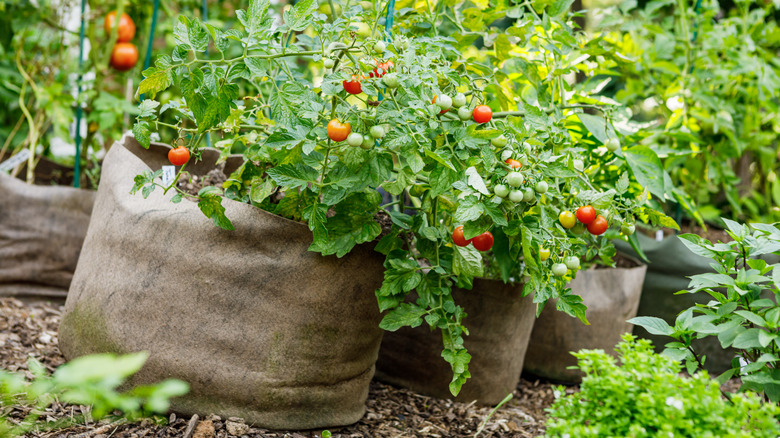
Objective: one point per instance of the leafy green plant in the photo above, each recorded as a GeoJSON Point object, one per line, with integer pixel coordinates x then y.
{"type": "Point", "coordinates": [703, 81]}
{"type": "Point", "coordinates": [89, 380]}
{"type": "Point", "coordinates": [743, 313]}
{"type": "Point", "coordinates": [493, 140]}
{"type": "Point", "coordinates": [646, 396]}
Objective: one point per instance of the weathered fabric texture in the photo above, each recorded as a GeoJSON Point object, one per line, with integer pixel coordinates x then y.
{"type": "Point", "coordinates": [499, 322]}
{"type": "Point", "coordinates": [612, 296]}
{"type": "Point", "coordinates": [42, 229]}
{"type": "Point", "coordinates": [260, 327]}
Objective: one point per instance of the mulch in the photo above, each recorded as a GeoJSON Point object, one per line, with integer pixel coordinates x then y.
{"type": "Point", "coordinates": [30, 330]}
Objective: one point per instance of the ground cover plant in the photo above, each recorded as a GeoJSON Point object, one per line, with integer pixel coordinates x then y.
{"type": "Point", "coordinates": [498, 166]}
{"type": "Point", "coordinates": [646, 396]}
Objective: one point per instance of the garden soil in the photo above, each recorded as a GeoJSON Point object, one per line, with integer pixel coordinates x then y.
{"type": "Point", "coordinates": [30, 330]}
{"type": "Point", "coordinates": [42, 229]}
{"type": "Point", "coordinates": [260, 327]}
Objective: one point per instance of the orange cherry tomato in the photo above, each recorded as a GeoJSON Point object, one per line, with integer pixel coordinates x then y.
{"type": "Point", "coordinates": [514, 164]}
{"type": "Point", "coordinates": [338, 131]}
{"type": "Point", "coordinates": [125, 30]}
{"type": "Point", "coordinates": [178, 156]}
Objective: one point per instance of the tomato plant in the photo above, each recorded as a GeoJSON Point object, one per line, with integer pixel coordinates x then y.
{"type": "Point", "coordinates": [449, 166]}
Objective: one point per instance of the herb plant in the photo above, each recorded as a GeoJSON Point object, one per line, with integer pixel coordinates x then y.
{"type": "Point", "coordinates": [743, 312]}
{"type": "Point", "coordinates": [646, 396]}
{"type": "Point", "coordinates": [492, 139]}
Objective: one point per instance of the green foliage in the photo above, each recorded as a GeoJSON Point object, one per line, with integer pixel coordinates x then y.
{"type": "Point", "coordinates": [440, 169]}
{"type": "Point", "coordinates": [704, 83]}
{"type": "Point", "coordinates": [88, 380]}
{"type": "Point", "coordinates": [646, 396]}
{"type": "Point", "coordinates": [744, 313]}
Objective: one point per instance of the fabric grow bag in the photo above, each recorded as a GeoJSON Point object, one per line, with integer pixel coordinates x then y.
{"type": "Point", "coordinates": [612, 296]}
{"type": "Point", "coordinates": [260, 327]}
{"type": "Point", "coordinates": [499, 322]}
{"type": "Point", "coordinates": [42, 229]}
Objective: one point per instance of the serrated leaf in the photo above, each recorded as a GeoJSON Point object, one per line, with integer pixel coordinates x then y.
{"type": "Point", "coordinates": [210, 203]}
{"type": "Point", "coordinates": [293, 175]}
{"type": "Point", "coordinates": [467, 260]}
{"type": "Point", "coordinates": [475, 180]}
{"type": "Point", "coordinates": [405, 315]}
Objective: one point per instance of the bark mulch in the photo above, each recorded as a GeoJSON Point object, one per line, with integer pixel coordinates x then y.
{"type": "Point", "coordinates": [30, 330]}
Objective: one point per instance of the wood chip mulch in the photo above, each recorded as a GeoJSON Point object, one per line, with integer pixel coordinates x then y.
{"type": "Point", "coordinates": [30, 330]}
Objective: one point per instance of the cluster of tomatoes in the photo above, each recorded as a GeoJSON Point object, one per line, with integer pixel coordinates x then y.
{"type": "Point", "coordinates": [482, 242]}
{"type": "Point", "coordinates": [596, 224]}
{"type": "Point", "coordinates": [559, 269]}
{"type": "Point", "coordinates": [125, 54]}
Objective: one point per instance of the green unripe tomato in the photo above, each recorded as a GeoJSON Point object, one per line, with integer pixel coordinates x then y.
{"type": "Point", "coordinates": [527, 148]}
{"type": "Point", "coordinates": [507, 154]}
{"type": "Point", "coordinates": [579, 165]}
{"type": "Point", "coordinates": [528, 194]}
{"type": "Point", "coordinates": [541, 187]}
{"type": "Point", "coordinates": [401, 43]}
{"type": "Point", "coordinates": [627, 229]}
{"type": "Point", "coordinates": [380, 47]}
{"type": "Point", "coordinates": [579, 228]}
{"type": "Point", "coordinates": [354, 139]}
{"type": "Point", "coordinates": [499, 141]}
{"type": "Point", "coordinates": [459, 100]}
{"type": "Point", "coordinates": [444, 102]}
{"type": "Point", "coordinates": [516, 196]}
{"type": "Point", "coordinates": [390, 80]}
{"type": "Point", "coordinates": [544, 254]}
{"type": "Point", "coordinates": [559, 269]}
{"type": "Point", "coordinates": [367, 142]}
{"type": "Point", "coordinates": [417, 190]}
{"type": "Point", "coordinates": [612, 144]}
{"type": "Point", "coordinates": [328, 62]}
{"type": "Point", "coordinates": [377, 132]}
{"type": "Point", "coordinates": [367, 6]}
{"type": "Point", "coordinates": [464, 113]}
{"type": "Point", "coordinates": [501, 190]}
{"type": "Point", "coordinates": [572, 263]}
{"type": "Point", "coordinates": [515, 179]}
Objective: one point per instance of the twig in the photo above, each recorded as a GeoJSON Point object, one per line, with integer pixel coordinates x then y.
{"type": "Point", "coordinates": [191, 426]}
{"type": "Point", "coordinates": [484, 423]}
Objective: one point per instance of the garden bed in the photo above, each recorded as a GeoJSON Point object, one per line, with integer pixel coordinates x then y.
{"type": "Point", "coordinates": [30, 330]}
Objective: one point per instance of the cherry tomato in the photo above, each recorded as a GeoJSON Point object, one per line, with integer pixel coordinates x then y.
{"type": "Point", "coordinates": [528, 194]}
{"type": "Point", "coordinates": [482, 114]}
{"type": "Point", "coordinates": [612, 144]}
{"type": "Point", "coordinates": [501, 190]}
{"type": "Point", "coordinates": [507, 154]}
{"type": "Point", "coordinates": [444, 101]}
{"type": "Point", "coordinates": [126, 29]}
{"type": "Point", "coordinates": [499, 141]}
{"type": "Point", "coordinates": [390, 80]}
{"type": "Point", "coordinates": [515, 179]}
{"type": "Point", "coordinates": [572, 263]}
{"type": "Point", "coordinates": [483, 242]}
{"type": "Point", "coordinates": [464, 113]}
{"type": "Point", "coordinates": [567, 219]}
{"type": "Point", "coordinates": [544, 254]}
{"type": "Point", "coordinates": [355, 139]}
{"type": "Point", "coordinates": [458, 238]}
{"type": "Point", "coordinates": [598, 226]}
{"type": "Point", "coordinates": [377, 131]}
{"type": "Point", "coordinates": [459, 100]}
{"type": "Point", "coordinates": [579, 228]}
{"type": "Point", "coordinates": [353, 86]}
{"type": "Point", "coordinates": [124, 56]}
{"type": "Point", "coordinates": [627, 229]}
{"type": "Point", "coordinates": [382, 69]}
{"type": "Point", "coordinates": [541, 187]}
{"type": "Point", "coordinates": [338, 131]}
{"type": "Point", "coordinates": [328, 63]}
{"type": "Point", "coordinates": [586, 214]}
{"type": "Point", "coordinates": [514, 164]}
{"type": "Point", "coordinates": [380, 47]}
{"type": "Point", "coordinates": [368, 142]}
{"type": "Point", "coordinates": [178, 156]}
{"type": "Point", "coordinates": [516, 196]}
{"type": "Point", "coordinates": [559, 269]}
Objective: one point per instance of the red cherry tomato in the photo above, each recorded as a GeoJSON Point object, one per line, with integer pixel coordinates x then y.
{"type": "Point", "coordinates": [382, 69]}
{"type": "Point", "coordinates": [483, 242]}
{"type": "Point", "coordinates": [514, 164]}
{"type": "Point", "coordinates": [124, 56]}
{"type": "Point", "coordinates": [353, 86]}
{"type": "Point", "coordinates": [178, 156]}
{"type": "Point", "coordinates": [125, 30]}
{"type": "Point", "coordinates": [482, 114]}
{"type": "Point", "coordinates": [338, 131]}
{"type": "Point", "coordinates": [458, 238]}
{"type": "Point", "coordinates": [598, 226]}
{"type": "Point", "coordinates": [586, 214]}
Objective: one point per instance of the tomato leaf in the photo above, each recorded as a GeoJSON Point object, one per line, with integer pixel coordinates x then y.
{"type": "Point", "coordinates": [467, 261]}
{"type": "Point", "coordinates": [210, 203]}
{"type": "Point", "coordinates": [405, 315]}
{"type": "Point", "coordinates": [646, 168]}
{"type": "Point", "coordinates": [293, 175]}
